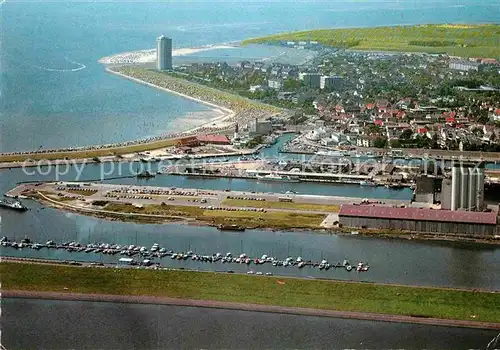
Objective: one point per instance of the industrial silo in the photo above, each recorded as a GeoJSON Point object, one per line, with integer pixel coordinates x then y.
{"type": "Point", "coordinates": [455, 187]}
{"type": "Point", "coordinates": [480, 187]}
{"type": "Point", "coordinates": [472, 189]}
{"type": "Point", "coordinates": [464, 187]}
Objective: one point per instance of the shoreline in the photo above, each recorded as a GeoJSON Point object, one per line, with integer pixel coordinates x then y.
{"type": "Point", "coordinates": [127, 147]}
{"type": "Point", "coordinates": [226, 112]}
{"type": "Point", "coordinates": [149, 55]}
{"type": "Point", "coordinates": [246, 307]}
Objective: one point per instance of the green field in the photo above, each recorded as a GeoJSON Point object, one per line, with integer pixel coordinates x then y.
{"type": "Point", "coordinates": [248, 219]}
{"type": "Point", "coordinates": [459, 40]}
{"type": "Point", "coordinates": [281, 205]}
{"type": "Point", "coordinates": [330, 295]}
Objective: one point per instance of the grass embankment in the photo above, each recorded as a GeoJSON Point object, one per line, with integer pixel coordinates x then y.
{"type": "Point", "coordinates": [329, 295]}
{"type": "Point", "coordinates": [248, 219]}
{"type": "Point", "coordinates": [111, 151]}
{"type": "Point", "coordinates": [281, 205]}
{"type": "Point", "coordinates": [233, 102]}
{"type": "Point", "coordinates": [459, 40]}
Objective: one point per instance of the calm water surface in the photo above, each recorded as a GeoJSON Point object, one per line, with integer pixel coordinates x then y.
{"type": "Point", "coordinates": [94, 325]}
{"type": "Point", "coordinates": [55, 94]}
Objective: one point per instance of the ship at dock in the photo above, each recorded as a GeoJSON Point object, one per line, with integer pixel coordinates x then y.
{"type": "Point", "coordinates": [334, 154]}
{"type": "Point", "coordinates": [277, 178]}
{"type": "Point", "coordinates": [14, 205]}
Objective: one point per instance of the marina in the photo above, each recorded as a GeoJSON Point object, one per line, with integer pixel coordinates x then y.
{"type": "Point", "coordinates": [142, 256]}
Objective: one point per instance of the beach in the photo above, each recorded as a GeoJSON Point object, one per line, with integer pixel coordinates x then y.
{"type": "Point", "coordinates": [220, 122]}
{"type": "Point", "coordinates": [149, 55]}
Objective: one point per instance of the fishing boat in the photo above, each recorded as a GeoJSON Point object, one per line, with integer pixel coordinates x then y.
{"type": "Point", "coordinates": [368, 183]}
{"type": "Point", "coordinates": [277, 178]}
{"type": "Point", "coordinates": [16, 205]}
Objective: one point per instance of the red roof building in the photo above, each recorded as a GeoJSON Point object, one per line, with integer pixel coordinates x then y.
{"type": "Point", "coordinates": [213, 139]}
{"type": "Point", "coordinates": [384, 212]}
{"type": "Point", "coordinates": [401, 114]}
{"type": "Point", "coordinates": [422, 130]}
{"type": "Point", "coordinates": [378, 122]}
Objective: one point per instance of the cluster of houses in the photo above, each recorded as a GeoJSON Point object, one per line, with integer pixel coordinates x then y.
{"type": "Point", "coordinates": [362, 125]}
{"type": "Point", "coordinates": [356, 97]}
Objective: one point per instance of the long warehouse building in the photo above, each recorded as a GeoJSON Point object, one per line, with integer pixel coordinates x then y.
{"type": "Point", "coordinates": [419, 220]}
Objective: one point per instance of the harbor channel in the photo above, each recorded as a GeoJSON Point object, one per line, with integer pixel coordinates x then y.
{"type": "Point", "coordinates": [391, 261]}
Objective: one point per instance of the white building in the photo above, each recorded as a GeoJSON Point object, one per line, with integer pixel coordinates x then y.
{"type": "Point", "coordinates": [317, 134]}
{"type": "Point", "coordinates": [256, 88]}
{"type": "Point", "coordinates": [275, 84]}
{"type": "Point", "coordinates": [163, 53]}
{"type": "Point", "coordinates": [465, 66]}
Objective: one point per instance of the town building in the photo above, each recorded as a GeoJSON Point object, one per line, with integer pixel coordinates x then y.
{"type": "Point", "coordinates": [275, 84]}
{"type": "Point", "coordinates": [465, 66]}
{"type": "Point", "coordinates": [312, 80]}
{"type": "Point", "coordinates": [260, 127]}
{"type": "Point", "coordinates": [331, 82]}
{"type": "Point", "coordinates": [163, 53]}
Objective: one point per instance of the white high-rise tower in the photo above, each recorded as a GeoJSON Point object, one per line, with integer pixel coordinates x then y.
{"type": "Point", "coordinates": [163, 53]}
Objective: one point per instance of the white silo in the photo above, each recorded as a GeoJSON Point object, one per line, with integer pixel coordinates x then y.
{"type": "Point", "coordinates": [480, 187]}
{"type": "Point", "coordinates": [471, 205]}
{"type": "Point", "coordinates": [464, 187]}
{"type": "Point", "coordinates": [455, 187]}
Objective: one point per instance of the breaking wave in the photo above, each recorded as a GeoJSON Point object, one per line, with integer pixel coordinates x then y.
{"type": "Point", "coordinates": [80, 66]}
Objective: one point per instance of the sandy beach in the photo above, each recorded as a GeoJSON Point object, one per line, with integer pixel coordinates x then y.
{"type": "Point", "coordinates": [149, 56]}
{"type": "Point", "coordinates": [204, 120]}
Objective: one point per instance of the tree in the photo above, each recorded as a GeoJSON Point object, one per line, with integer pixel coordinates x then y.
{"type": "Point", "coordinates": [406, 134]}
{"type": "Point", "coordinates": [395, 144]}
{"type": "Point", "coordinates": [291, 85]}
{"type": "Point", "coordinates": [380, 142]}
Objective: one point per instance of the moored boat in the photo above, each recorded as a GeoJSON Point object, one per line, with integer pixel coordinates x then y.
{"type": "Point", "coordinates": [16, 205]}
{"type": "Point", "coordinates": [277, 178]}
{"type": "Point", "coordinates": [230, 228]}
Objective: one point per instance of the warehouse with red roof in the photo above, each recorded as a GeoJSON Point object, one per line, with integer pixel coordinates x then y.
{"type": "Point", "coordinates": [418, 220]}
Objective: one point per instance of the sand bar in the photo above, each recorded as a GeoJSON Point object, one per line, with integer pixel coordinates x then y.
{"type": "Point", "coordinates": [149, 55]}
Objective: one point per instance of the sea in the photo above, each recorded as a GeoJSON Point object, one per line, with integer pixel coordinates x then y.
{"type": "Point", "coordinates": [54, 93]}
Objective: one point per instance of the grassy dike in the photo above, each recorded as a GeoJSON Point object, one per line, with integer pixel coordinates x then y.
{"type": "Point", "coordinates": [460, 39]}
{"type": "Point", "coordinates": [249, 219]}
{"type": "Point", "coordinates": [327, 295]}
{"type": "Point", "coordinates": [334, 208]}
